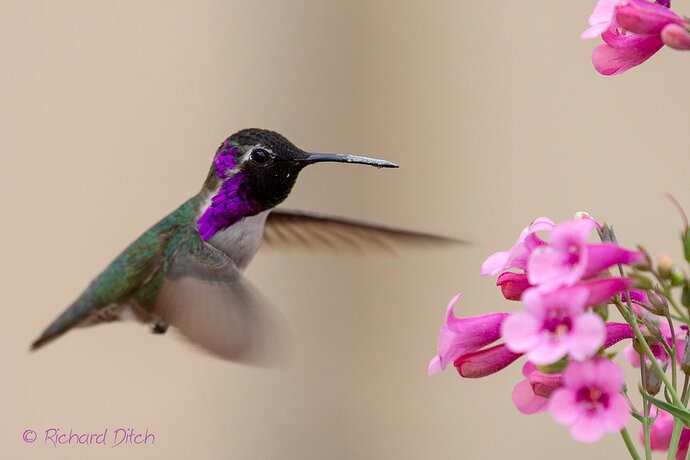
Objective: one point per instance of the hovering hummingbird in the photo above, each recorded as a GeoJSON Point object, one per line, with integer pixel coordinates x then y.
{"type": "Point", "coordinates": [186, 270]}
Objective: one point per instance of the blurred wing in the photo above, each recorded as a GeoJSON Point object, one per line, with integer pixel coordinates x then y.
{"type": "Point", "coordinates": [300, 228]}
{"type": "Point", "coordinates": [206, 299]}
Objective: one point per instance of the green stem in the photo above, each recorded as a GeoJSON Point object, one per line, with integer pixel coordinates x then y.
{"type": "Point", "coordinates": [675, 438]}
{"type": "Point", "coordinates": [673, 352]}
{"type": "Point", "coordinates": [677, 425]}
{"type": "Point", "coordinates": [645, 420]}
{"type": "Point", "coordinates": [630, 445]}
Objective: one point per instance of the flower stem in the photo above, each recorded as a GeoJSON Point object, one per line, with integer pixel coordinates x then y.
{"type": "Point", "coordinates": [630, 445]}
{"type": "Point", "coordinates": [677, 425]}
{"type": "Point", "coordinates": [675, 438]}
{"type": "Point", "coordinates": [673, 353]}
{"type": "Point", "coordinates": [645, 420]}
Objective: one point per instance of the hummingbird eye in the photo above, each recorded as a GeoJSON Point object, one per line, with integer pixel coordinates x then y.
{"type": "Point", "coordinates": [260, 156]}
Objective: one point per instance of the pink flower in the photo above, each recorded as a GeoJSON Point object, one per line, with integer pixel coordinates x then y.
{"type": "Point", "coordinates": [532, 394]}
{"type": "Point", "coordinates": [554, 325]}
{"type": "Point", "coordinates": [660, 435]}
{"type": "Point", "coordinates": [516, 256]}
{"type": "Point", "coordinates": [569, 258]}
{"type": "Point", "coordinates": [632, 32]}
{"type": "Point", "coordinates": [460, 336]}
{"type": "Point", "coordinates": [590, 402]}
{"type": "Point", "coordinates": [512, 284]}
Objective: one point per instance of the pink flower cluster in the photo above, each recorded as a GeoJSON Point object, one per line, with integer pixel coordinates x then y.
{"type": "Point", "coordinates": [633, 30]}
{"type": "Point", "coordinates": [558, 279]}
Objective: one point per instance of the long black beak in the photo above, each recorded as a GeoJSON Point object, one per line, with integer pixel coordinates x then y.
{"type": "Point", "coordinates": [322, 157]}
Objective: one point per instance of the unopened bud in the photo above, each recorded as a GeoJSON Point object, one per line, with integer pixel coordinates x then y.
{"type": "Point", "coordinates": [544, 384]}
{"type": "Point", "coordinates": [652, 380]}
{"type": "Point", "coordinates": [686, 244]}
{"type": "Point", "coordinates": [666, 266]}
{"type": "Point", "coordinates": [685, 296]}
{"type": "Point", "coordinates": [678, 277]}
{"type": "Point", "coordinates": [512, 284]}
{"type": "Point", "coordinates": [641, 282]}
{"type": "Point", "coordinates": [606, 234]}
{"type": "Point", "coordinates": [685, 360]}
{"type": "Point", "coordinates": [651, 333]}
{"type": "Point", "coordinates": [658, 303]}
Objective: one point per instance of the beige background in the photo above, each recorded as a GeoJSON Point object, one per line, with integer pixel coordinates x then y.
{"type": "Point", "coordinates": [111, 112]}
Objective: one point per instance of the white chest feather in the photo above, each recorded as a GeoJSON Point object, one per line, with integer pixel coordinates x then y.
{"type": "Point", "coordinates": [241, 240]}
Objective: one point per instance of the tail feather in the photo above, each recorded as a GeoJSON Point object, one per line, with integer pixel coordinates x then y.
{"type": "Point", "coordinates": [76, 313]}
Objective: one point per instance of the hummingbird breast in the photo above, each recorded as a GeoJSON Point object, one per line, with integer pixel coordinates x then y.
{"type": "Point", "coordinates": [241, 240]}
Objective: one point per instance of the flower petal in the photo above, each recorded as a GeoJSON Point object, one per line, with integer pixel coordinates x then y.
{"type": "Point", "coordinates": [676, 36]}
{"type": "Point", "coordinates": [602, 290]}
{"type": "Point", "coordinates": [587, 336]}
{"type": "Point", "coordinates": [526, 401]}
{"type": "Point", "coordinates": [600, 19]}
{"type": "Point", "coordinates": [580, 374]}
{"type": "Point", "coordinates": [463, 335]}
{"type": "Point", "coordinates": [643, 17]}
{"type": "Point", "coordinates": [604, 255]}
{"type": "Point", "coordinates": [521, 332]}
{"type": "Point", "coordinates": [615, 332]}
{"type": "Point", "coordinates": [608, 376]}
{"type": "Point", "coordinates": [627, 53]}
{"type": "Point", "coordinates": [495, 263]}
{"type": "Point", "coordinates": [588, 429]}
{"type": "Point", "coordinates": [563, 406]}
{"type": "Point", "coordinates": [617, 414]}
{"type": "Point", "coordinates": [548, 352]}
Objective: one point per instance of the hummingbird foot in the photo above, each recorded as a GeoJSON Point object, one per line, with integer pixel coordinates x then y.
{"type": "Point", "coordinates": [159, 327]}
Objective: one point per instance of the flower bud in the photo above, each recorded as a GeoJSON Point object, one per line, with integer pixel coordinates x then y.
{"type": "Point", "coordinates": [651, 333]}
{"type": "Point", "coordinates": [685, 296]}
{"type": "Point", "coordinates": [641, 282]}
{"type": "Point", "coordinates": [685, 360]}
{"type": "Point", "coordinates": [606, 234]}
{"type": "Point", "coordinates": [666, 266]}
{"type": "Point", "coordinates": [658, 303]}
{"type": "Point", "coordinates": [512, 284]}
{"type": "Point", "coordinates": [652, 380]}
{"type": "Point", "coordinates": [544, 384]}
{"type": "Point", "coordinates": [686, 244]}
{"type": "Point", "coordinates": [676, 36]}
{"type": "Point", "coordinates": [678, 277]}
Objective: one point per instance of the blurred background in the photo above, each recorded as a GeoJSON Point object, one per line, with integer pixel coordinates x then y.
{"type": "Point", "coordinates": [111, 113]}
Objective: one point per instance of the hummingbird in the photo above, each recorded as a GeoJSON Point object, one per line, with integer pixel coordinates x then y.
{"type": "Point", "coordinates": [187, 270]}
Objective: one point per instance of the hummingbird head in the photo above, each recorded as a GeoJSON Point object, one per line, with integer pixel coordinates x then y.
{"type": "Point", "coordinates": [253, 171]}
